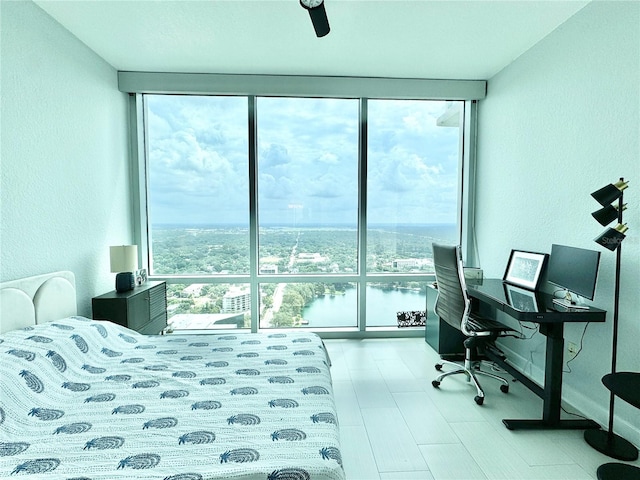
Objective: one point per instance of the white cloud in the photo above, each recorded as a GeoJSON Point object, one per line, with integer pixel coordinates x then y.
{"type": "Point", "coordinates": [328, 158]}
{"type": "Point", "coordinates": [307, 155]}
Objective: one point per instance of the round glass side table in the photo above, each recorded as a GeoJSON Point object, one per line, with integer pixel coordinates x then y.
{"type": "Point", "coordinates": [626, 386]}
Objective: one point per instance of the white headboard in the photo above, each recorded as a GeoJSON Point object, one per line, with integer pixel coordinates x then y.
{"type": "Point", "coordinates": [37, 299]}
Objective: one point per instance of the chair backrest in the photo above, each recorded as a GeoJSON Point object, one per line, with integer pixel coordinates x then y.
{"type": "Point", "coordinates": [452, 304]}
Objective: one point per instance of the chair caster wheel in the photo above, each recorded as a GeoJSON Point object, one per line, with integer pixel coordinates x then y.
{"type": "Point", "coordinates": [438, 366]}
{"type": "Point", "coordinates": [479, 400]}
{"type": "Point", "coordinates": [435, 384]}
{"type": "Point", "coordinates": [504, 388]}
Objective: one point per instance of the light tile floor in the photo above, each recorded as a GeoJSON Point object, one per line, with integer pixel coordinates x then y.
{"type": "Point", "coordinates": [395, 425]}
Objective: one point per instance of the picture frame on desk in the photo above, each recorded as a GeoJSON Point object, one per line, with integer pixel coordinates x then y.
{"type": "Point", "coordinates": [521, 298]}
{"type": "Point", "coordinates": [524, 269]}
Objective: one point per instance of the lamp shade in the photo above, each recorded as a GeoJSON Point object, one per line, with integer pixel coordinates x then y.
{"type": "Point", "coordinates": [123, 258]}
{"type": "Point", "coordinates": [610, 193]}
{"type": "Point", "coordinates": [607, 214]}
{"type": "Point", "coordinates": [612, 237]}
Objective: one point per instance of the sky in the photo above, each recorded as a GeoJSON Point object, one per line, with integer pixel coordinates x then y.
{"type": "Point", "coordinates": [307, 155]}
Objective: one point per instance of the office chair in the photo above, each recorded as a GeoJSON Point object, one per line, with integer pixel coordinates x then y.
{"type": "Point", "coordinates": [454, 307]}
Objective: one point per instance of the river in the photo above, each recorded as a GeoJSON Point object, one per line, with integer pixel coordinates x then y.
{"type": "Point", "coordinates": [382, 305]}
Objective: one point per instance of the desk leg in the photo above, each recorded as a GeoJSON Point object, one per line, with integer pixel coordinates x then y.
{"type": "Point", "coordinates": [552, 392]}
{"type": "Point", "coordinates": [553, 371]}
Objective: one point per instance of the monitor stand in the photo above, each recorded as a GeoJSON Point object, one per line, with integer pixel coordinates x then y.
{"type": "Point", "coordinates": [569, 304]}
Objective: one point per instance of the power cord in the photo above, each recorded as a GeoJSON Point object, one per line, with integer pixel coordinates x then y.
{"type": "Point", "coordinates": [560, 290]}
{"type": "Point", "coordinates": [573, 413]}
{"type": "Point", "coordinates": [530, 362]}
{"type": "Point", "coordinates": [497, 368]}
{"type": "Point", "coordinates": [533, 327]}
{"type": "Point", "coordinates": [568, 370]}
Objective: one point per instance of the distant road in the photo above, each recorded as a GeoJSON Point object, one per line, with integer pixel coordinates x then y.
{"type": "Point", "coordinates": [278, 294]}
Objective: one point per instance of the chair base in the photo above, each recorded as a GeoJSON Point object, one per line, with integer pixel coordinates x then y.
{"type": "Point", "coordinates": [471, 369]}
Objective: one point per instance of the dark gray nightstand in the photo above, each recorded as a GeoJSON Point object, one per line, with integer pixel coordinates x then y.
{"type": "Point", "coordinates": [143, 309]}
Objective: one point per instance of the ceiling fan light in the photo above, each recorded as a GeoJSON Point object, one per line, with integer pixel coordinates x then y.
{"type": "Point", "coordinates": [318, 16]}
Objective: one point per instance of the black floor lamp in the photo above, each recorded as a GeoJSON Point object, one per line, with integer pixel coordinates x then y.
{"type": "Point", "coordinates": [611, 198]}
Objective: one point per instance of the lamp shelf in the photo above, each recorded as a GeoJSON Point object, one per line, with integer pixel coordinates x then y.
{"type": "Point", "coordinates": [624, 385]}
{"type": "Point", "coordinates": [618, 471]}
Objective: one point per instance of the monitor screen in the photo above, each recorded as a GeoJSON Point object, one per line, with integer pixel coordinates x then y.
{"type": "Point", "coordinates": [574, 269]}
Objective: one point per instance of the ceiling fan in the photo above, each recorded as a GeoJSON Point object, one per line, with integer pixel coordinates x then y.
{"type": "Point", "coordinates": [318, 16]}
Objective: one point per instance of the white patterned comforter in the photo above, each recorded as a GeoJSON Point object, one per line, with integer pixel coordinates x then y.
{"type": "Point", "coordinates": [83, 399]}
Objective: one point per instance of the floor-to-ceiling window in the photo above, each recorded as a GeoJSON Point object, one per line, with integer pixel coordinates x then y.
{"type": "Point", "coordinates": [198, 206]}
{"type": "Point", "coordinates": [265, 212]}
{"type": "Point", "coordinates": [413, 180]}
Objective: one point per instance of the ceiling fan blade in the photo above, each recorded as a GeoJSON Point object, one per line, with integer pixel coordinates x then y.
{"type": "Point", "coordinates": [319, 20]}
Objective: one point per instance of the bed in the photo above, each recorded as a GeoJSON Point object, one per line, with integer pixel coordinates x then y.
{"type": "Point", "coordinates": [85, 399]}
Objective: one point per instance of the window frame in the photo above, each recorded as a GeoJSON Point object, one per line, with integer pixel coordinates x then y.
{"type": "Point", "coordinates": [467, 91]}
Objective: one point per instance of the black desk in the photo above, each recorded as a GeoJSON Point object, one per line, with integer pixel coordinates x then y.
{"type": "Point", "coordinates": [490, 296]}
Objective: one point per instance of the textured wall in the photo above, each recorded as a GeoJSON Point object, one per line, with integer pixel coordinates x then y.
{"type": "Point", "coordinates": [64, 169]}
{"type": "Point", "coordinates": [557, 124]}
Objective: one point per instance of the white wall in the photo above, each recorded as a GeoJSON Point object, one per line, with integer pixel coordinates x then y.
{"type": "Point", "coordinates": [558, 123]}
{"type": "Point", "coordinates": [65, 194]}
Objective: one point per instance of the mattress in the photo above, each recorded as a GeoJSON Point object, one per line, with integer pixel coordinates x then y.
{"type": "Point", "coordinates": [84, 399]}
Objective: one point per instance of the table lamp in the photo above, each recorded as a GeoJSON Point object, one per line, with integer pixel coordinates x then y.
{"type": "Point", "coordinates": [124, 262]}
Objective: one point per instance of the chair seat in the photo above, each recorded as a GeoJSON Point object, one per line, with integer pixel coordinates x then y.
{"type": "Point", "coordinates": [480, 324]}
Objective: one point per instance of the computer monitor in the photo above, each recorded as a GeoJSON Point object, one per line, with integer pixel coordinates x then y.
{"type": "Point", "coordinates": [574, 270]}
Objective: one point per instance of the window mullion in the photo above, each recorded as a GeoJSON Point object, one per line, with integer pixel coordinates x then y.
{"type": "Point", "coordinates": [253, 214]}
{"type": "Point", "coordinates": [362, 216]}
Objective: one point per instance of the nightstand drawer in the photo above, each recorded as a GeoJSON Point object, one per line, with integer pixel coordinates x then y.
{"type": "Point", "coordinates": [158, 301]}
